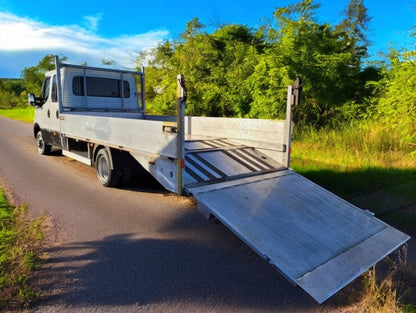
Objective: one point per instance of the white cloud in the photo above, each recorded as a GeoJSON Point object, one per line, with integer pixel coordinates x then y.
{"type": "Point", "coordinates": [92, 21]}
{"type": "Point", "coordinates": [23, 35]}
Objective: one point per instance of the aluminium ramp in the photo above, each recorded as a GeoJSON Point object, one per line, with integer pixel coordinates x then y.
{"type": "Point", "coordinates": [317, 240]}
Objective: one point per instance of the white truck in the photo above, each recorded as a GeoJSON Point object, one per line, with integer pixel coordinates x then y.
{"type": "Point", "coordinates": [236, 169]}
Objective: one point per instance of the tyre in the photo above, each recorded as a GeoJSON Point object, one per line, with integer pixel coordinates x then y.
{"type": "Point", "coordinates": [106, 176]}
{"type": "Point", "coordinates": [43, 147]}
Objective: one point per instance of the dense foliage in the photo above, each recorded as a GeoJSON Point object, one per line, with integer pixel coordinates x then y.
{"type": "Point", "coordinates": [10, 91]}
{"type": "Point", "coordinates": [397, 104]}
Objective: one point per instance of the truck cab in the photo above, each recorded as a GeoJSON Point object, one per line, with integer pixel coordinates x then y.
{"type": "Point", "coordinates": [46, 128]}
{"type": "Point", "coordinates": [100, 92]}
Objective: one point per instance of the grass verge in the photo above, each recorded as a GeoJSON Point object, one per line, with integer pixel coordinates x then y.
{"type": "Point", "coordinates": [26, 115]}
{"type": "Point", "coordinates": [369, 166]}
{"type": "Point", "coordinates": [364, 164]}
{"type": "Point", "coordinates": [389, 289]}
{"type": "Point", "coordinates": [20, 239]}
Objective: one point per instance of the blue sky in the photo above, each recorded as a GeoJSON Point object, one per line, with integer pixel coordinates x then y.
{"type": "Point", "coordinates": [89, 31]}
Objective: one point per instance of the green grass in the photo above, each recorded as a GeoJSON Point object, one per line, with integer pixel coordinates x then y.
{"type": "Point", "coordinates": [20, 239]}
{"type": "Point", "coordinates": [366, 164]}
{"type": "Point", "coordinates": [21, 114]}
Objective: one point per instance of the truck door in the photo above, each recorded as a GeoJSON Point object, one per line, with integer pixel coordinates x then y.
{"type": "Point", "coordinates": [48, 114]}
{"type": "Point", "coordinates": [54, 110]}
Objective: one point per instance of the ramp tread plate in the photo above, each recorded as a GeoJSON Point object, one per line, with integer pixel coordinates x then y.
{"type": "Point", "coordinates": [326, 280]}
{"type": "Point", "coordinates": [222, 164]}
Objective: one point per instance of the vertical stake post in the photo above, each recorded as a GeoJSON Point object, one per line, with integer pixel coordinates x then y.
{"type": "Point", "coordinates": [293, 98]}
{"type": "Point", "coordinates": [142, 91]}
{"type": "Point", "coordinates": [288, 125]}
{"type": "Point", "coordinates": [58, 82]}
{"type": "Point", "coordinates": [59, 91]}
{"type": "Point", "coordinates": [180, 137]}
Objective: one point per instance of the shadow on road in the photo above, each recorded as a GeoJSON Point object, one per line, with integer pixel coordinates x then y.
{"type": "Point", "coordinates": [124, 270]}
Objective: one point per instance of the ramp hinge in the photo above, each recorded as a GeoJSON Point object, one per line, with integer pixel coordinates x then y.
{"type": "Point", "coordinates": [369, 213]}
{"type": "Point", "coordinates": [204, 210]}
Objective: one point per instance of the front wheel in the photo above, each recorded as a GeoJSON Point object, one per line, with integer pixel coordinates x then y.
{"type": "Point", "coordinates": [106, 176]}
{"type": "Point", "coordinates": [43, 147]}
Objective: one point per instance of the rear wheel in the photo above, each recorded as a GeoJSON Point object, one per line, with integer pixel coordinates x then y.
{"type": "Point", "coordinates": [106, 176]}
{"type": "Point", "coordinates": [43, 147]}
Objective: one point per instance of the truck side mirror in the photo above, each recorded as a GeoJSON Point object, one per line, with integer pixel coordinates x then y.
{"type": "Point", "coordinates": [33, 101]}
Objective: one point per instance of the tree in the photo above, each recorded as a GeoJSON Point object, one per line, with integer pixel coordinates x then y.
{"type": "Point", "coordinates": [397, 106]}
{"type": "Point", "coordinates": [9, 93]}
{"type": "Point", "coordinates": [326, 57]}
{"type": "Point", "coordinates": [268, 88]}
{"type": "Point", "coordinates": [353, 34]}
{"type": "Point", "coordinates": [354, 27]}
{"type": "Point", "coordinates": [33, 76]}
{"type": "Point", "coordinates": [216, 67]}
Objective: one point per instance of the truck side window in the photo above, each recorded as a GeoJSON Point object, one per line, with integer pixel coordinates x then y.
{"type": "Point", "coordinates": [54, 94]}
{"type": "Point", "coordinates": [45, 88]}
{"type": "Point", "coordinates": [100, 87]}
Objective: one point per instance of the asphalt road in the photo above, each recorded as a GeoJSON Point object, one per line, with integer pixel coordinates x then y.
{"type": "Point", "coordinates": [139, 249]}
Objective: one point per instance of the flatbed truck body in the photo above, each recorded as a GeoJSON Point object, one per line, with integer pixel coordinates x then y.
{"type": "Point", "coordinates": [237, 170]}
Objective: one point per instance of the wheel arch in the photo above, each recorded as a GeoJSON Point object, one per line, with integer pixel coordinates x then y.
{"type": "Point", "coordinates": [36, 129]}
{"type": "Point", "coordinates": [109, 152]}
